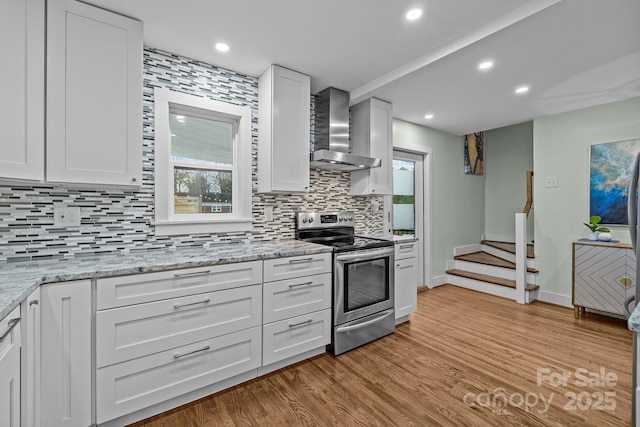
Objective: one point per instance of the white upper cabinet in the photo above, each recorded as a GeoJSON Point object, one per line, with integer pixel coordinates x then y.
{"type": "Point", "coordinates": [94, 96]}
{"type": "Point", "coordinates": [284, 117]}
{"type": "Point", "coordinates": [372, 136]}
{"type": "Point", "coordinates": [22, 87]}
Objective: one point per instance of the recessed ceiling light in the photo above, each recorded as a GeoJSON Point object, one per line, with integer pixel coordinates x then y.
{"type": "Point", "coordinates": [485, 65]}
{"type": "Point", "coordinates": [413, 14]}
{"type": "Point", "coordinates": [222, 47]}
{"type": "Point", "coordinates": [522, 89]}
{"type": "Point", "coordinates": [428, 116]}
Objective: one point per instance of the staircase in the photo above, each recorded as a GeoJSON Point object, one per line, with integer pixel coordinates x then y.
{"type": "Point", "coordinates": [491, 268]}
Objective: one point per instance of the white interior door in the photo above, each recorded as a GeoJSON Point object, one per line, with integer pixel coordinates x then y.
{"type": "Point", "coordinates": [404, 211]}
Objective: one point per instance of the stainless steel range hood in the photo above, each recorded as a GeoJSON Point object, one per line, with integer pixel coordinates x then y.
{"type": "Point", "coordinates": [332, 149]}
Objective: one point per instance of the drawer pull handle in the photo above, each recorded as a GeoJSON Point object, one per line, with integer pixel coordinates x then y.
{"type": "Point", "coordinates": [405, 247]}
{"type": "Point", "coordinates": [177, 306]}
{"type": "Point", "coordinates": [297, 285]}
{"type": "Point", "coordinates": [293, 325]}
{"type": "Point", "coordinates": [195, 273]}
{"type": "Point", "coordinates": [402, 268]}
{"type": "Point", "coordinates": [297, 261]}
{"type": "Point", "coordinates": [12, 324]}
{"type": "Point", "coordinates": [178, 355]}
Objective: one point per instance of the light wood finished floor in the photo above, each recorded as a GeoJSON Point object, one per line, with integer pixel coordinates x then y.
{"type": "Point", "coordinates": [465, 358]}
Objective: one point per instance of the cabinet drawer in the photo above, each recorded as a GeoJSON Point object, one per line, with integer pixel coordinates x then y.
{"type": "Point", "coordinates": [130, 386]}
{"type": "Point", "coordinates": [147, 287]}
{"type": "Point", "coordinates": [406, 250]}
{"type": "Point", "coordinates": [129, 332]}
{"type": "Point", "coordinates": [10, 333]}
{"type": "Point", "coordinates": [293, 336]}
{"type": "Point", "coordinates": [294, 297]}
{"type": "Point", "coordinates": [291, 267]}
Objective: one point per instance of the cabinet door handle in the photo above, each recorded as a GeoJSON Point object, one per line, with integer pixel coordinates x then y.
{"type": "Point", "coordinates": [297, 285]}
{"type": "Point", "coordinates": [178, 355]}
{"type": "Point", "coordinates": [195, 273]}
{"type": "Point", "coordinates": [12, 324]}
{"type": "Point", "coordinates": [177, 306]}
{"type": "Point", "coordinates": [626, 282]}
{"type": "Point", "coordinates": [405, 247]}
{"type": "Point", "coordinates": [34, 302]}
{"type": "Point", "coordinates": [294, 325]}
{"type": "Point", "coordinates": [298, 261]}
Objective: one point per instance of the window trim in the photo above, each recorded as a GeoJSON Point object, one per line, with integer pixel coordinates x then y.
{"type": "Point", "coordinates": [168, 223]}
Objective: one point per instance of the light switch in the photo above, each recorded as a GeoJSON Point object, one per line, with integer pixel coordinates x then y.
{"type": "Point", "coordinates": [66, 216]}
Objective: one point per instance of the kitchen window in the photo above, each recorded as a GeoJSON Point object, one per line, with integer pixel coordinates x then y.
{"type": "Point", "coordinates": [203, 165]}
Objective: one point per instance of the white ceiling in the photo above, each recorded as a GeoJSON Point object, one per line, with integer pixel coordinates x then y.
{"type": "Point", "coordinates": [572, 53]}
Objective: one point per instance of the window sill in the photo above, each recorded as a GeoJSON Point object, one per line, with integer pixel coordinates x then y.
{"type": "Point", "coordinates": [174, 228]}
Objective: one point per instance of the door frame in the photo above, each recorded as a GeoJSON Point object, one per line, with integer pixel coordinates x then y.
{"type": "Point", "coordinates": [423, 234]}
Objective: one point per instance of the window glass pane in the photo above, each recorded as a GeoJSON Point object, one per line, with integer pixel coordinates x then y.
{"type": "Point", "coordinates": [403, 197]}
{"type": "Point", "coordinates": [195, 139]}
{"type": "Point", "coordinates": [201, 191]}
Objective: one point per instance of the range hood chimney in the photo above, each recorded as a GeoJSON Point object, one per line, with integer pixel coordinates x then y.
{"type": "Point", "coordinates": [332, 148]}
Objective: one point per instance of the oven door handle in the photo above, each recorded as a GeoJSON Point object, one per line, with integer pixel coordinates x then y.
{"type": "Point", "coordinates": [368, 322]}
{"type": "Point", "coordinates": [364, 255]}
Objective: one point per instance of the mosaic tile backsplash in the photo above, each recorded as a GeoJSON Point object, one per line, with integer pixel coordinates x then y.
{"type": "Point", "coordinates": [122, 220]}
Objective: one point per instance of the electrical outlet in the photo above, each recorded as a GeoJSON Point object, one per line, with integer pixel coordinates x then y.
{"type": "Point", "coordinates": [66, 216]}
{"type": "Point", "coordinates": [551, 181]}
{"type": "Point", "coordinates": [268, 213]}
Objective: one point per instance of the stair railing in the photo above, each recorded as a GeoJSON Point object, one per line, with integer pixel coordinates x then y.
{"type": "Point", "coordinates": [521, 243]}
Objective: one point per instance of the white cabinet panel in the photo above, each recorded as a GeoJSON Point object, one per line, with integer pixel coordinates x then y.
{"type": "Point", "coordinates": [22, 44]}
{"type": "Point", "coordinates": [10, 341]}
{"type": "Point", "coordinates": [294, 297]}
{"type": "Point", "coordinates": [284, 113]}
{"type": "Point", "coordinates": [135, 331]}
{"type": "Point", "coordinates": [298, 266]}
{"type": "Point", "coordinates": [94, 96]}
{"type": "Point", "coordinates": [372, 136]}
{"type": "Point", "coordinates": [66, 354]}
{"type": "Point", "coordinates": [31, 354]}
{"type": "Point", "coordinates": [147, 287]}
{"type": "Point", "coordinates": [405, 292]}
{"type": "Point", "coordinates": [139, 383]}
{"type": "Point", "coordinates": [288, 338]}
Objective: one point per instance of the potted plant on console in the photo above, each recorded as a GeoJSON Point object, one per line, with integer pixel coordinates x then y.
{"type": "Point", "coordinates": [595, 228]}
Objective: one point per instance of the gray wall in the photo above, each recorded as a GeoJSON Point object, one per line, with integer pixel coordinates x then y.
{"type": "Point", "coordinates": [508, 155]}
{"type": "Point", "coordinates": [561, 148]}
{"type": "Point", "coordinates": [457, 199]}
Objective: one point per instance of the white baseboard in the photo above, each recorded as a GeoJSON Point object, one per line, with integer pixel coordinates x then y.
{"type": "Point", "coordinates": [468, 249]}
{"type": "Point", "coordinates": [556, 299]}
{"type": "Point", "coordinates": [438, 281]}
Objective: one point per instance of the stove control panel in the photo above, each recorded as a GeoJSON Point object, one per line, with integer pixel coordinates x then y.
{"type": "Point", "coordinates": [325, 219]}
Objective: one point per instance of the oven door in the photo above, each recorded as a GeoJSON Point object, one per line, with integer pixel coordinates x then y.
{"type": "Point", "coordinates": [363, 283]}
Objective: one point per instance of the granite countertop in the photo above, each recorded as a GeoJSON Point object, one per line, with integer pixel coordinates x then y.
{"type": "Point", "coordinates": [19, 279]}
{"type": "Point", "coordinates": [634, 320]}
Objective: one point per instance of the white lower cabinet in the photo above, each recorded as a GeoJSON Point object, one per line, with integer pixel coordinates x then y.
{"type": "Point", "coordinates": [10, 342]}
{"type": "Point", "coordinates": [65, 375]}
{"type": "Point", "coordinates": [187, 330]}
{"type": "Point", "coordinates": [405, 280]}
{"type": "Point", "coordinates": [30, 373]}
{"type": "Point", "coordinates": [139, 383]}
{"type": "Point", "coordinates": [297, 309]}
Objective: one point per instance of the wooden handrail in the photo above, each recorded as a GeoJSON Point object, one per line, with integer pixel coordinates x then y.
{"type": "Point", "coordinates": [527, 206]}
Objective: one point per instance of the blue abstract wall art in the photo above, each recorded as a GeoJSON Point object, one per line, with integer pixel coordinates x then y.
{"type": "Point", "coordinates": [610, 172]}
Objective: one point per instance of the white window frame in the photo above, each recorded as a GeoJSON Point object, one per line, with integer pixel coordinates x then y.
{"type": "Point", "coordinates": [167, 222]}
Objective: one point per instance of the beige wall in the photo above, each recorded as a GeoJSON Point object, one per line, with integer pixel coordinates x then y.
{"type": "Point", "coordinates": [561, 149]}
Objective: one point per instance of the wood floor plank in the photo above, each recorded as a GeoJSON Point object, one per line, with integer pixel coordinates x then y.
{"type": "Point", "coordinates": [465, 358]}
